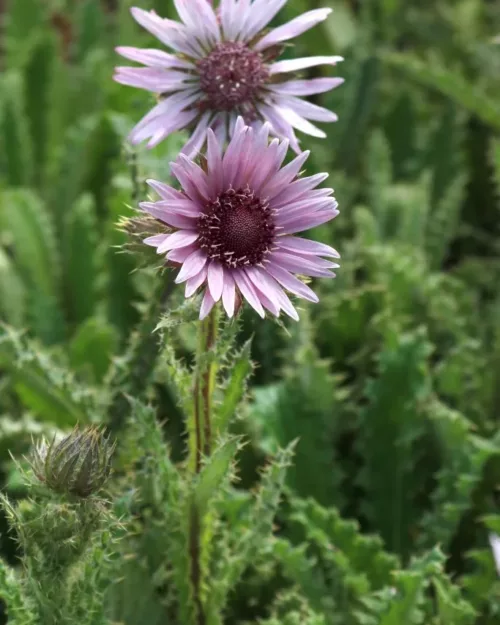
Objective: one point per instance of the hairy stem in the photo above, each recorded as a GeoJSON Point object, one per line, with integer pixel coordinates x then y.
{"type": "Point", "coordinates": [201, 434]}
{"type": "Point", "coordinates": [205, 378]}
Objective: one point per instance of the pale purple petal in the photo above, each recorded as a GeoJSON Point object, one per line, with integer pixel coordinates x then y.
{"type": "Point", "coordinates": [297, 121]}
{"type": "Point", "coordinates": [294, 65]}
{"type": "Point", "coordinates": [278, 182]}
{"type": "Point", "coordinates": [168, 110]}
{"type": "Point", "coordinates": [262, 12]}
{"type": "Point", "coordinates": [268, 164]}
{"type": "Point", "coordinates": [306, 246]}
{"type": "Point", "coordinates": [181, 254]}
{"type": "Point", "coordinates": [287, 306]}
{"type": "Point", "coordinates": [293, 28]}
{"type": "Point", "coordinates": [152, 78]}
{"type": "Point", "coordinates": [271, 306]}
{"type": "Point", "coordinates": [169, 32]}
{"type": "Point", "coordinates": [219, 126]}
{"type": "Point", "coordinates": [297, 188]}
{"type": "Point", "coordinates": [265, 283]}
{"type": "Point", "coordinates": [206, 305]}
{"type": "Point", "coordinates": [291, 283]}
{"type": "Point", "coordinates": [198, 137]}
{"type": "Point", "coordinates": [306, 222]}
{"type": "Point", "coordinates": [194, 283]}
{"type": "Point", "coordinates": [194, 185]}
{"type": "Point", "coordinates": [307, 109]}
{"type": "Point", "coordinates": [165, 191]}
{"type": "Point", "coordinates": [181, 238]}
{"type": "Point", "coordinates": [229, 18]}
{"type": "Point", "coordinates": [160, 124]}
{"type": "Point", "coordinates": [155, 240]}
{"type": "Point", "coordinates": [214, 164]}
{"type": "Point", "coordinates": [169, 217]}
{"type": "Point", "coordinates": [248, 292]}
{"type": "Point", "coordinates": [193, 264]}
{"type": "Point", "coordinates": [307, 207]}
{"type": "Point", "coordinates": [306, 87]}
{"type": "Point", "coordinates": [154, 58]}
{"type": "Point", "coordinates": [228, 293]}
{"type": "Point", "coordinates": [215, 280]}
{"type": "Point", "coordinates": [198, 15]}
{"type": "Point", "coordinates": [303, 266]}
{"type": "Point", "coordinates": [279, 125]}
{"type": "Point", "coordinates": [184, 207]}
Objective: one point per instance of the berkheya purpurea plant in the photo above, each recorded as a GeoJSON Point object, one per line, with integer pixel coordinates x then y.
{"type": "Point", "coordinates": [231, 226]}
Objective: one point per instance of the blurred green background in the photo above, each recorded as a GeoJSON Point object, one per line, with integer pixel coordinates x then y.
{"type": "Point", "coordinates": [392, 382]}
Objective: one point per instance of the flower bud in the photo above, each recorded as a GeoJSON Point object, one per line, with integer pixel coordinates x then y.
{"type": "Point", "coordinates": [79, 464]}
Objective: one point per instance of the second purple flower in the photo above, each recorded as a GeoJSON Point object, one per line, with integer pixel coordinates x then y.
{"type": "Point", "coordinates": [224, 66]}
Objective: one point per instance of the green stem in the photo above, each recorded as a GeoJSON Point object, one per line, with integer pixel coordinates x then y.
{"type": "Point", "coordinates": [201, 430]}
{"type": "Point", "coordinates": [200, 442]}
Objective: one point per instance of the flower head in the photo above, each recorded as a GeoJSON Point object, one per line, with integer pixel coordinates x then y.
{"type": "Point", "coordinates": [225, 66]}
{"type": "Point", "coordinates": [233, 224]}
{"type": "Point", "coordinates": [79, 464]}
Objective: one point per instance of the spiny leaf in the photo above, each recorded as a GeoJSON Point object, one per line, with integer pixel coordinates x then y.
{"type": "Point", "coordinates": [82, 260]}
{"type": "Point", "coordinates": [234, 387]}
{"type": "Point", "coordinates": [450, 83]}
{"type": "Point", "coordinates": [49, 391]}
{"type": "Point", "coordinates": [217, 467]}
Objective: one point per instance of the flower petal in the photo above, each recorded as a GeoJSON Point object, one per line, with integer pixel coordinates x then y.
{"type": "Point", "coordinates": [215, 280]}
{"type": "Point", "coordinates": [291, 283]}
{"type": "Point", "coordinates": [194, 283]}
{"type": "Point", "coordinates": [206, 305]}
{"type": "Point", "coordinates": [306, 247]}
{"type": "Point", "coordinates": [293, 28]}
{"type": "Point", "coordinates": [155, 240]}
{"type": "Point", "coordinates": [181, 238]}
{"type": "Point", "coordinates": [228, 294]}
{"type": "Point", "coordinates": [153, 58]}
{"type": "Point", "coordinates": [306, 87]}
{"type": "Point", "coordinates": [307, 109]}
{"type": "Point", "coordinates": [248, 292]}
{"type": "Point", "coordinates": [193, 264]}
{"type": "Point", "coordinates": [295, 65]}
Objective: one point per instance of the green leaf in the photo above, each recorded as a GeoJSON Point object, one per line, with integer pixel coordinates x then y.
{"type": "Point", "coordinates": [451, 84]}
{"type": "Point", "coordinates": [38, 76]}
{"type": "Point", "coordinates": [16, 156]}
{"type": "Point", "coordinates": [217, 467]}
{"type": "Point", "coordinates": [49, 391]}
{"type": "Point", "coordinates": [12, 292]}
{"type": "Point", "coordinates": [235, 387]}
{"type": "Point", "coordinates": [81, 259]}
{"type": "Point", "coordinates": [92, 348]}
{"type": "Point", "coordinates": [24, 218]}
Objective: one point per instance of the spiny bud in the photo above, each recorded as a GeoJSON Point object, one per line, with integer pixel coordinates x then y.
{"type": "Point", "coordinates": [139, 228]}
{"type": "Point", "coordinates": [79, 464]}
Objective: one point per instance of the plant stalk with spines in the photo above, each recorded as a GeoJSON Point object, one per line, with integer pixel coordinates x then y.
{"type": "Point", "coordinates": [201, 440]}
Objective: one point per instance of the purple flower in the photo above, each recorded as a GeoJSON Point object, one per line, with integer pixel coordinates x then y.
{"type": "Point", "coordinates": [233, 223]}
{"type": "Point", "coordinates": [224, 66]}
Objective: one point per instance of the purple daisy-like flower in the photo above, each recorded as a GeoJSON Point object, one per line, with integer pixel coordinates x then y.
{"type": "Point", "coordinates": [234, 223]}
{"type": "Point", "coordinates": [225, 66]}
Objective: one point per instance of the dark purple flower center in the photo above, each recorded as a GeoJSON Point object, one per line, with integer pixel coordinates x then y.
{"type": "Point", "coordinates": [231, 76]}
{"type": "Point", "coordinates": [236, 229]}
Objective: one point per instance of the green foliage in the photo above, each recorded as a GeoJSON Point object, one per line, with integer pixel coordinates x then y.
{"type": "Point", "coordinates": [338, 471]}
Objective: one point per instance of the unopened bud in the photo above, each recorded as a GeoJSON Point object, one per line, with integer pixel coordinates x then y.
{"type": "Point", "coordinates": [139, 228]}
{"type": "Point", "coordinates": [79, 464]}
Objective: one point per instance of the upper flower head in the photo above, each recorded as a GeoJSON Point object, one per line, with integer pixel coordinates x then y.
{"type": "Point", "coordinates": [224, 66]}
{"type": "Point", "coordinates": [233, 224]}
